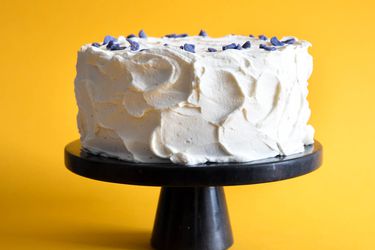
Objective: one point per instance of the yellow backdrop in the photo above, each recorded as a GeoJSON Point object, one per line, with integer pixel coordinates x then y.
{"type": "Point", "coordinates": [43, 206]}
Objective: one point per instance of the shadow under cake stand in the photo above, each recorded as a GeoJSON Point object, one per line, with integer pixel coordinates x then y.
{"type": "Point", "coordinates": [192, 212]}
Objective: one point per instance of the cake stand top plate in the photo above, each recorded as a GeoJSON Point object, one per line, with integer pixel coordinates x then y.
{"type": "Point", "coordinates": [106, 169]}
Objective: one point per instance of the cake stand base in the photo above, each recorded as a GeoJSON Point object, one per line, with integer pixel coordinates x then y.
{"type": "Point", "coordinates": [192, 218]}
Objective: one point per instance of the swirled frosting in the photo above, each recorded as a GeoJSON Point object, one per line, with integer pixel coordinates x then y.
{"type": "Point", "coordinates": [162, 103]}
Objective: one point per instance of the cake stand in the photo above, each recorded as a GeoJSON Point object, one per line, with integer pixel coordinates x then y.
{"type": "Point", "coordinates": [192, 212]}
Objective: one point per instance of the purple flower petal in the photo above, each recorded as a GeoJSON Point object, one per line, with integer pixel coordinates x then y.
{"type": "Point", "coordinates": [203, 33]}
{"type": "Point", "coordinates": [133, 44]}
{"type": "Point", "coordinates": [108, 38]}
{"type": "Point", "coordinates": [262, 37]}
{"type": "Point", "coordinates": [117, 47]}
{"type": "Point", "coordinates": [189, 47]}
{"type": "Point", "coordinates": [173, 35]}
{"type": "Point", "coordinates": [181, 35]}
{"type": "Point", "coordinates": [142, 34]}
{"type": "Point", "coordinates": [267, 48]}
{"type": "Point", "coordinates": [276, 42]}
{"type": "Point", "coordinates": [109, 44]}
{"type": "Point", "coordinates": [246, 45]}
{"type": "Point", "coordinates": [289, 41]}
{"type": "Point", "coordinates": [230, 46]}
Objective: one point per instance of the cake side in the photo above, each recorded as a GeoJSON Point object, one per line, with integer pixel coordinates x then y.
{"type": "Point", "coordinates": [167, 101]}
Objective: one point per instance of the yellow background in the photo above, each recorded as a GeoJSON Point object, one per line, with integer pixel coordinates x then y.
{"type": "Point", "coordinates": [43, 206]}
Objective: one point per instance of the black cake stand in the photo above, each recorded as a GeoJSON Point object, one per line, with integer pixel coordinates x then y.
{"type": "Point", "coordinates": [192, 212]}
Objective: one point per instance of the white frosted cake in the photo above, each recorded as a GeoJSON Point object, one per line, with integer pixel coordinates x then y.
{"type": "Point", "coordinates": [194, 99]}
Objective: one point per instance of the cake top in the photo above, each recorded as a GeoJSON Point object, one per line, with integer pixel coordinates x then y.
{"type": "Point", "coordinates": [200, 43]}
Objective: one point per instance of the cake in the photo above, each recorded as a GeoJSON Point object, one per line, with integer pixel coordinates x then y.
{"type": "Point", "coordinates": [194, 99]}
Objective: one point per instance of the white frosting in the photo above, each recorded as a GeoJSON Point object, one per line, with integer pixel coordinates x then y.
{"type": "Point", "coordinates": [164, 103]}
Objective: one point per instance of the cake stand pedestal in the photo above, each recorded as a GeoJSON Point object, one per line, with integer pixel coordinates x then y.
{"type": "Point", "coordinates": [192, 212]}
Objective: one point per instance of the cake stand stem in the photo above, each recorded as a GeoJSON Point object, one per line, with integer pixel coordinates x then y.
{"type": "Point", "coordinates": [192, 218]}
